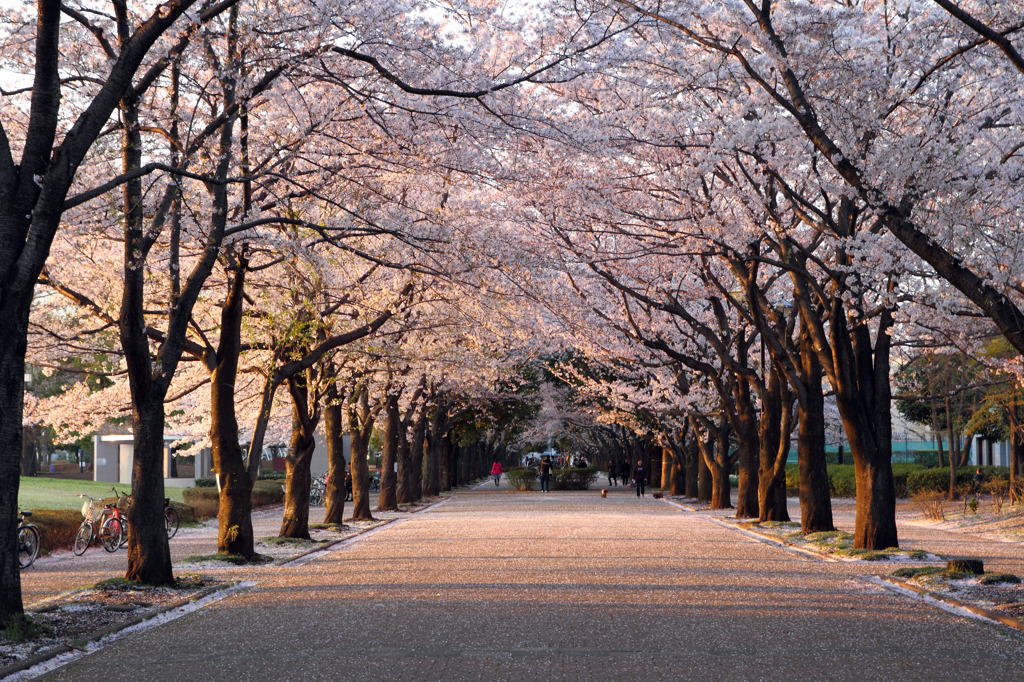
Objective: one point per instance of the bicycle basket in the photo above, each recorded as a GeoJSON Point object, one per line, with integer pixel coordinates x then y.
{"type": "Point", "coordinates": [92, 510]}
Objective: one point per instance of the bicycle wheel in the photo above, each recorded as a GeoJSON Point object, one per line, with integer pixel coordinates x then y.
{"type": "Point", "coordinates": [124, 531]}
{"type": "Point", "coordinates": [28, 545]}
{"type": "Point", "coordinates": [110, 534]}
{"type": "Point", "coordinates": [83, 538]}
{"type": "Point", "coordinates": [171, 521]}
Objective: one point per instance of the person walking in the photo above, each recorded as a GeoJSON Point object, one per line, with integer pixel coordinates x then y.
{"type": "Point", "coordinates": [545, 474]}
{"type": "Point", "coordinates": [496, 472]}
{"type": "Point", "coordinates": [623, 472]}
{"type": "Point", "coordinates": [639, 478]}
{"type": "Point", "coordinates": [613, 473]}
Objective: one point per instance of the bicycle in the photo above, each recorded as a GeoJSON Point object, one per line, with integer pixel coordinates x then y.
{"type": "Point", "coordinates": [172, 520]}
{"type": "Point", "coordinates": [100, 523]}
{"type": "Point", "coordinates": [318, 491]}
{"type": "Point", "coordinates": [375, 483]}
{"type": "Point", "coordinates": [28, 541]}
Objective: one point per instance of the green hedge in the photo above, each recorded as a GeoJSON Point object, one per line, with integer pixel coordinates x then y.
{"type": "Point", "coordinates": [521, 478]}
{"type": "Point", "coordinates": [842, 481]}
{"type": "Point", "coordinates": [574, 479]}
{"type": "Point", "coordinates": [937, 479]}
{"type": "Point", "coordinates": [264, 493]}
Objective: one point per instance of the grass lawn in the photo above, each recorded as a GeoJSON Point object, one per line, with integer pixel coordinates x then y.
{"type": "Point", "coordinates": [61, 493]}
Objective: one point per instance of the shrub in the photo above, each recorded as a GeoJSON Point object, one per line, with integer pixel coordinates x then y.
{"type": "Point", "coordinates": [57, 527]}
{"type": "Point", "coordinates": [937, 479]}
{"type": "Point", "coordinates": [574, 479]}
{"type": "Point", "coordinates": [1000, 578]}
{"type": "Point", "coordinates": [842, 480]}
{"type": "Point", "coordinates": [203, 500]}
{"type": "Point", "coordinates": [521, 478]}
{"type": "Point", "coordinates": [209, 482]}
{"type": "Point", "coordinates": [926, 458]}
{"type": "Point", "coordinates": [271, 475]}
{"type": "Point", "coordinates": [930, 503]}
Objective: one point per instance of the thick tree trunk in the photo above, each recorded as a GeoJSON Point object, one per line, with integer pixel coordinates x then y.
{"type": "Point", "coordinates": [665, 475]}
{"type": "Point", "coordinates": [693, 465]}
{"type": "Point", "coordinates": [444, 462]}
{"type": "Point", "coordinates": [12, 396]}
{"type": "Point", "coordinates": [654, 457]}
{"type": "Point", "coordinates": [864, 406]}
{"type": "Point", "coordinates": [335, 434]}
{"type": "Point", "coordinates": [29, 460]}
{"type": "Point", "coordinates": [748, 445]}
{"type": "Point", "coordinates": [815, 496]}
{"type": "Point", "coordinates": [773, 446]}
{"type": "Point", "coordinates": [360, 429]}
{"type": "Point", "coordinates": [149, 554]}
{"type": "Point", "coordinates": [389, 457]}
{"type": "Point", "coordinates": [705, 484]}
{"type": "Point", "coordinates": [295, 523]}
{"type": "Point", "coordinates": [416, 459]}
{"type": "Point", "coordinates": [431, 484]}
{"type": "Point", "coordinates": [714, 454]}
{"type": "Point", "coordinates": [234, 510]}
{"type": "Point", "coordinates": [404, 485]}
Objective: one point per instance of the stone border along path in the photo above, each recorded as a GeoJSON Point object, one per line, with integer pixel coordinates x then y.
{"type": "Point", "coordinates": [501, 585]}
{"type": "Point", "coordinates": [58, 656]}
{"type": "Point", "coordinates": [939, 601]}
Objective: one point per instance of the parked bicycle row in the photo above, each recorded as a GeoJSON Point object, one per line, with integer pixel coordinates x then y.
{"type": "Point", "coordinates": [318, 488]}
{"type": "Point", "coordinates": [106, 523]}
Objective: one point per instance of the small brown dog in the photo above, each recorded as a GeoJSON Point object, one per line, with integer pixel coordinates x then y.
{"type": "Point", "coordinates": [604, 492]}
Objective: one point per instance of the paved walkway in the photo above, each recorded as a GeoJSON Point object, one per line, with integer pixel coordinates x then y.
{"type": "Point", "coordinates": [502, 585]}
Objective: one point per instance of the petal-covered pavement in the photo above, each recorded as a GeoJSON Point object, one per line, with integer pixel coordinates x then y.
{"type": "Point", "coordinates": [502, 585]}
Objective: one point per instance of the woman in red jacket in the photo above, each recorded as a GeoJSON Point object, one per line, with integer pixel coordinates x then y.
{"type": "Point", "coordinates": [496, 472]}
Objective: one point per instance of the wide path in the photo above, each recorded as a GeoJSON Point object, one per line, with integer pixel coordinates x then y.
{"type": "Point", "coordinates": [500, 585]}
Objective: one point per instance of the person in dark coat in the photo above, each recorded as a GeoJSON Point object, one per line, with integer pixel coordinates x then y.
{"type": "Point", "coordinates": [613, 473]}
{"type": "Point", "coordinates": [639, 477]}
{"type": "Point", "coordinates": [545, 474]}
{"type": "Point", "coordinates": [623, 472]}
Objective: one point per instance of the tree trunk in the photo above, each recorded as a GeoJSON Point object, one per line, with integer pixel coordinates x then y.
{"type": "Point", "coordinates": [404, 485]}
{"type": "Point", "coordinates": [937, 433]}
{"type": "Point", "coordinates": [13, 343]}
{"type": "Point", "coordinates": [416, 459]}
{"type": "Point", "coordinates": [335, 434]}
{"type": "Point", "coordinates": [431, 466]}
{"type": "Point", "coordinates": [815, 496]}
{"type": "Point", "coordinates": [714, 454]}
{"type": "Point", "coordinates": [389, 460]}
{"type": "Point", "coordinates": [859, 374]}
{"type": "Point", "coordinates": [29, 461]}
{"type": "Point", "coordinates": [149, 554]}
{"type": "Point", "coordinates": [360, 430]}
{"type": "Point", "coordinates": [773, 449]}
{"type": "Point", "coordinates": [748, 445]}
{"type": "Point", "coordinates": [667, 459]}
{"type": "Point", "coordinates": [444, 462]}
{"type": "Point", "coordinates": [298, 478]}
{"type": "Point", "coordinates": [234, 510]}
{"type": "Point", "coordinates": [693, 465]}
